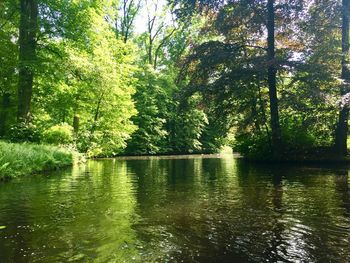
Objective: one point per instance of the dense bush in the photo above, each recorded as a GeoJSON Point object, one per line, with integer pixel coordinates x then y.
{"type": "Point", "coordinates": [297, 140]}
{"type": "Point", "coordinates": [254, 146]}
{"type": "Point", "coordinates": [101, 144]}
{"type": "Point", "coordinates": [296, 136]}
{"type": "Point", "coordinates": [59, 134]}
{"type": "Point", "coordinates": [24, 132]}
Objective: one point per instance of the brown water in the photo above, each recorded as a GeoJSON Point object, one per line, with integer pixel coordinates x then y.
{"type": "Point", "coordinates": [189, 209]}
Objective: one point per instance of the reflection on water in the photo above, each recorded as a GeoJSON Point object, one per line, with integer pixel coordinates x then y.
{"type": "Point", "coordinates": [193, 209]}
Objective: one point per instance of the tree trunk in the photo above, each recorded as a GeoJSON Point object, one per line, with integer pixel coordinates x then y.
{"type": "Point", "coordinates": [27, 56]}
{"type": "Point", "coordinates": [4, 113]}
{"type": "Point", "coordinates": [341, 133]}
{"type": "Point", "coordinates": [275, 125]}
{"type": "Point", "coordinates": [76, 123]}
{"type": "Point", "coordinates": [150, 47]}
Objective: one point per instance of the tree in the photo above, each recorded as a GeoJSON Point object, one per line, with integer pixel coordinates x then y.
{"type": "Point", "coordinates": [8, 61]}
{"type": "Point", "coordinates": [271, 75]}
{"type": "Point", "coordinates": [27, 55]}
{"type": "Point", "coordinates": [159, 30]}
{"type": "Point", "coordinates": [150, 98]}
{"type": "Point", "coordinates": [91, 78]}
{"type": "Point", "coordinates": [128, 11]}
{"type": "Point", "coordinates": [341, 134]}
{"type": "Point", "coordinates": [239, 58]}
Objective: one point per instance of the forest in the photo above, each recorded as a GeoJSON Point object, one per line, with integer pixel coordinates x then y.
{"type": "Point", "coordinates": [144, 77]}
{"type": "Point", "coordinates": [174, 131]}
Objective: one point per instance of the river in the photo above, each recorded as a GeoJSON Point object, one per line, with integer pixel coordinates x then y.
{"type": "Point", "coordinates": [177, 209]}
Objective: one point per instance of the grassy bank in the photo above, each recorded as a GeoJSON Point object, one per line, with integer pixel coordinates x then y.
{"type": "Point", "coordinates": [22, 159]}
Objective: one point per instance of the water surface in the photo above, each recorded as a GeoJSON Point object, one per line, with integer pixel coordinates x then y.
{"type": "Point", "coordinates": [183, 209]}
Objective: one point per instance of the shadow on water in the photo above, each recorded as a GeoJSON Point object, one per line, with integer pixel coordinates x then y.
{"type": "Point", "coordinates": [198, 209]}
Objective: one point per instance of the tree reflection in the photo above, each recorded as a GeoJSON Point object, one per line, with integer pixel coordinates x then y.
{"type": "Point", "coordinates": [87, 213]}
{"type": "Point", "coordinates": [193, 209]}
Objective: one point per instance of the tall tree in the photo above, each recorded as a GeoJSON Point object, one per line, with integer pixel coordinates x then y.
{"type": "Point", "coordinates": [342, 127]}
{"type": "Point", "coordinates": [27, 55]}
{"type": "Point", "coordinates": [8, 62]}
{"type": "Point", "coordinates": [275, 125]}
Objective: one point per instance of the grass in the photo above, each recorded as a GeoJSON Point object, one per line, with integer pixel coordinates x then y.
{"type": "Point", "coordinates": [22, 159]}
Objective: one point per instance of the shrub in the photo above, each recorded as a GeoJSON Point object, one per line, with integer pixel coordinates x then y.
{"type": "Point", "coordinates": [59, 134]}
{"type": "Point", "coordinates": [297, 142]}
{"type": "Point", "coordinates": [101, 144]}
{"type": "Point", "coordinates": [296, 137]}
{"type": "Point", "coordinates": [24, 132]}
{"type": "Point", "coordinates": [254, 146]}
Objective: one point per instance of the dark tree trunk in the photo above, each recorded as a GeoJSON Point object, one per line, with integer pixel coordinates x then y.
{"type": "Point", "coordinates": [150, 48]}
{"type": "Point", "coordinates": [275, 125]}
{"type": "Point", "coordinates": [341, 133]}
{"type": "Point", "coordinates": [5, 105]}
{"type": "Point", "coordinates": [76, 123]}
{"type": "Point", "coordinates": [27, 56]}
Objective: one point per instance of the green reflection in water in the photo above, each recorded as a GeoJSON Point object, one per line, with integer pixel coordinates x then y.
{"type": "Point", "coordinates": [186, 209]}
{"type": "Point", "coordinates": [87, 212]}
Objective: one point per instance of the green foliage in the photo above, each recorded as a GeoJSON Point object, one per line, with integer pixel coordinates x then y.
{"type": "Point", "coordinates": [24, 132]}
{"type": "Point", "coordinates": [84, 72]}
{"type": "Point", "coordinates": [254, 146]}
{"type": "Point", "coordinates": [297, 142]}
{"type": "Point", "coordinates": [229, 70]}
{"type": "Point", "coordinates": [189, 124]}
{"type": "Point", "coordinates": [22, 159]}
{"type": "Point", "coordinates": [213, 137]}
{"type": "Point", "coordinates": [188, 129]}
{"type": "Point", "coordinates": [178, 87]}
{"type": "Point", "coordinates": [59, 134]}
{"type": "Point", "coordinates": [117, 87]}
{"type": "Point", "coordinates": [151, 101]}
{"type": "Point", "coordinates": [296, 136]}
{"type": "Point", "coordinates": [104, 143]}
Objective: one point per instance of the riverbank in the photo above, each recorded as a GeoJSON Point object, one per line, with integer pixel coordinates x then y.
{"type": "Point", "coordinates": [175, 156]}
{"type": "Point", "coordinates": [22, 159]}
{"type": "Point", "coordinates": [317, 155]}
